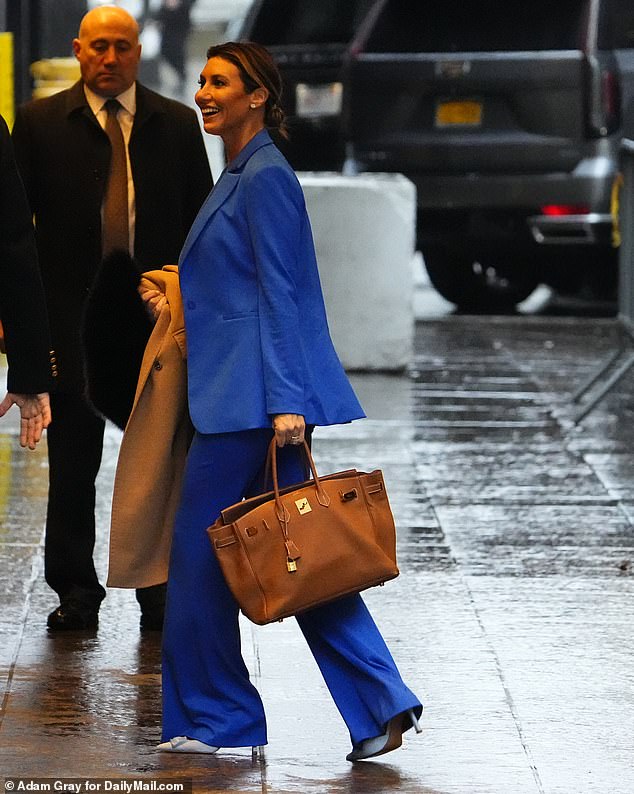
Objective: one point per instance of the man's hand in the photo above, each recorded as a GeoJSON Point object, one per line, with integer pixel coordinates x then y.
{"type": "Point", "coordinates": [35, 415]}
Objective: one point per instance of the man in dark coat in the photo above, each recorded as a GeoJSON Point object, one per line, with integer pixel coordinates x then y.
{"type": "Point", "coordinates": [64, 155]}
{"type": "Point", "coordinates": [22, 305]}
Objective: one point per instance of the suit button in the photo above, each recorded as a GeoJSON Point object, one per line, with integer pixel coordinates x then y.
{"type": "Point", "coordinates": [191, 305]}
{"type": "Point", "coordinates": [158, 365]}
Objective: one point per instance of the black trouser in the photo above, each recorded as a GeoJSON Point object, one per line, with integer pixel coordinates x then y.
{"type": "Point", "coordinates": [75, 444]}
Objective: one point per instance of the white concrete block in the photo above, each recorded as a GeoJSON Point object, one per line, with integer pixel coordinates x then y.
{"type": "Point", "coordinates": [364, 230]}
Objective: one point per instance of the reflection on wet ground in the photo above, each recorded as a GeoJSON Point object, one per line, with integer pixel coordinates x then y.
{"type": "Point", "coordinates": [512, 617]}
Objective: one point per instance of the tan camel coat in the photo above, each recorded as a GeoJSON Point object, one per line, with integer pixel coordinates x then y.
{"type": "Point", "coordinates": [153, 450]}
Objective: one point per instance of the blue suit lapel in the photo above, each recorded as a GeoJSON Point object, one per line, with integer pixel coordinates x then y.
{"type": "Point", "coordinates": [223, 188]}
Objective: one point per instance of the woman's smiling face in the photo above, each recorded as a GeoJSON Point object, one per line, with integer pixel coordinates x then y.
{"type": "Point", "coordinates": [222, 98]}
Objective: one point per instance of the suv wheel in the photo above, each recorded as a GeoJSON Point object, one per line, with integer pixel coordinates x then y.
{"type": "Point", "coordinates": [479, 283]}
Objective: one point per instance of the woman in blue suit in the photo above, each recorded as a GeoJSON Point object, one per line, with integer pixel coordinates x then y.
{"type": "Point", "coordinates": [260, 363]}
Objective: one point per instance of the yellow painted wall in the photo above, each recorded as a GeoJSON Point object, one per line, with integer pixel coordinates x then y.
{"type": "Point", "coordinates": [6, 77]}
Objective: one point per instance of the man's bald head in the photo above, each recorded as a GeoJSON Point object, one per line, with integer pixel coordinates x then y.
{"type": "Point", "coordinates": [108, 50]}
{"type": "Point", "coordinates": [104, 15]}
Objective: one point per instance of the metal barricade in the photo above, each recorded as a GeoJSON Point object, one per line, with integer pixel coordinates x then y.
{"type": "Point", "coordinates": [626, 234]}
{"type": "Point", "coordinates": [622, 360]}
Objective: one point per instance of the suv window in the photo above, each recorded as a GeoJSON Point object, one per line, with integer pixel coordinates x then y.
{"type": "Point", "coordinates": [476, 26]}
{"type": "Point", "coordinates": [309, 22]}
{"type": "Point", "coordinates": [617, 25]}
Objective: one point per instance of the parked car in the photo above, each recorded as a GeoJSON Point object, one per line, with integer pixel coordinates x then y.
{"type": "Point", "coordinates": [308, 39]}
{"type": "Point", "coordinates": [508, 116]}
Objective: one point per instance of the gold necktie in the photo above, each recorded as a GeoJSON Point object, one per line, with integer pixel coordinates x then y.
{"type": "Point", "coordinates": [115, 232]}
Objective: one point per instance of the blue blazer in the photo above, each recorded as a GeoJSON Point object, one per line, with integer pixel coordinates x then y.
{"type": "Point", "coordinates": [257, 336]}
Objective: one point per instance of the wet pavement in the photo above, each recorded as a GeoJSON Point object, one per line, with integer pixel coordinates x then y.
{"type": "Point", "coordinates": [512, 619]}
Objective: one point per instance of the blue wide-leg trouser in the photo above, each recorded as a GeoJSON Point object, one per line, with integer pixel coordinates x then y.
{"type": "Point", "coordinates": [207, 694]}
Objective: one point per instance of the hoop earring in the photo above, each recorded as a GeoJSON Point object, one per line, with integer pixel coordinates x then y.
{"type": "Point", "coordinates": [253, 106]}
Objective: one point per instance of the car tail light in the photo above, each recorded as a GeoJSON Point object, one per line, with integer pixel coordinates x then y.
{"type": "Point", "coordinates": [556, 210]}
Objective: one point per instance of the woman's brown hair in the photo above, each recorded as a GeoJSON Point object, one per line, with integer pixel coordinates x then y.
{"type": "Point", "coordinates": [257, 70]}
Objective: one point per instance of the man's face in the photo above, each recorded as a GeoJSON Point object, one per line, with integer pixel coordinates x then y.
{"type": "Point", "coordinates": [108, 51]}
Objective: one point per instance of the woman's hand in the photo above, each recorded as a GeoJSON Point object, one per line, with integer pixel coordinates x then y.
{"type": "Point", "coordinates": [289, 429]}
{"type": "Point", "coordinates": [35, 415]}
{"type": "Point", "coordinates": [153, 300]}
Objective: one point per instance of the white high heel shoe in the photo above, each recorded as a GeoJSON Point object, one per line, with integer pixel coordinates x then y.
{"type": "Point", "coordinates": [183, 744]}
{"type": "Point", "coordinates": [390, 740]}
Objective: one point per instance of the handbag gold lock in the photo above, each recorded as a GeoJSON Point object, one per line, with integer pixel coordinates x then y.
{"type": "Point", "coordinates": [292, 554]}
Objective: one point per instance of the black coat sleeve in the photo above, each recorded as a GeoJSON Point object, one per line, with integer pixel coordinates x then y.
{"type": "Point", "coordinates": [22, 302]}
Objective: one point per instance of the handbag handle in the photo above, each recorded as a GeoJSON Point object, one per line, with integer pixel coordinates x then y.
{"type": "Point", "coordinates": [283, 516]}
{"type": "Point", "coordinates": [322, 496]}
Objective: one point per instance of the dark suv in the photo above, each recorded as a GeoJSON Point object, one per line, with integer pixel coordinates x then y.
{"type": "Point", "coordinates": [308, 39]}
{"type": "Point", "coordinates": [508, 116]}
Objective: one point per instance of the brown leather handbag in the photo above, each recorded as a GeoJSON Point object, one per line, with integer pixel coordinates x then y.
{"type": "Point", "coordinates": [295, 548]}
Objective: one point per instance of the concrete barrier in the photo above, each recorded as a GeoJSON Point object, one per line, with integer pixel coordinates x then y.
{"type": "Point", "coordinates": [364, 230]}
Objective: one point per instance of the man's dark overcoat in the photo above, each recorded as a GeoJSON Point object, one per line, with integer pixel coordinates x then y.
{"type": "Point", "coordinates": [22, 306]}
{"type": "Point", "coordinates": [64, 157]}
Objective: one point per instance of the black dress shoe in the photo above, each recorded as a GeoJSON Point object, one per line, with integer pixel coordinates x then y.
{"type": "Point", "coordinates": [72, 617]}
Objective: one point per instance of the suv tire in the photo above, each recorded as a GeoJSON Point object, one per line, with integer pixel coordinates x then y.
{"type": "Point", "coordinates": [479, 283]}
